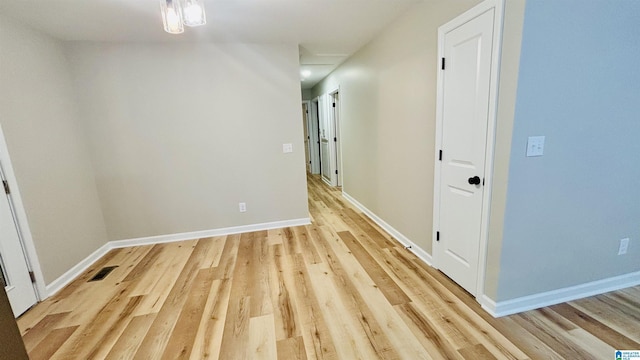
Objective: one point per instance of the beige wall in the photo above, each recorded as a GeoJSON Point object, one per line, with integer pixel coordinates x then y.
{"type": "Point", "coordinates": [307, 94]}
{"type": "Point", "coordinates": [180, 134]}
{"type": "Point", "coordinates": [509, 65]}
{"type": "Point", "coordinates": [387, 99]}
{"type": "Point", "coordinates": [48, 149]}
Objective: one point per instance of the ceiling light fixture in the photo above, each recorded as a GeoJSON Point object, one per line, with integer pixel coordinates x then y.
{"type": "Point", "coordinates": [177, 13]}
{"type": "Point", "coordinates": [306, 73]}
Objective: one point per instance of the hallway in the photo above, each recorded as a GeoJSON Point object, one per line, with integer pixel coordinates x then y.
{"type": "Point", "coordinates": [340, 288]}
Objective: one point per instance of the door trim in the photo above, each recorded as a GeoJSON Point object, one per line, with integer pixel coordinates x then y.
{"type": "Point", "coordinates": [487, 5]}
{"type": "Point", "coordinates": [334, 123]}
{"type": "Point", "coordinates": [308, 125]}
{"type": "Point", "coordinates": [24, 231]}
{"type": "Point", "coordinates": [315, 125]}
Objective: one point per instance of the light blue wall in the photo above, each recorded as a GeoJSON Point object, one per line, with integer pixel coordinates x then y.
{"type": "Point", "coordinates": [579, 85]}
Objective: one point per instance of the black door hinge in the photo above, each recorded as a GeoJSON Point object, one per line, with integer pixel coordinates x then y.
{"type": "Point", "coordinates": [437, 235]}
{"type": "Point", "coordinates": [336, 172]}
{"type": "Point", "coordinates": [335, 139]}
{"type": "Point", "coordinates": [32, 276]}
{"type": "Point", "coordinates": [440, 156]}
{"type": "Point", "coordinates": [442, 63]}
{"type": "Point", "coordinates": [6, 187]}
{"type": "Point", "coordinates": [334, 104]}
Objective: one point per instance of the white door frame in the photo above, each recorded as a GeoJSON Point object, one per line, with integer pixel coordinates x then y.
{"type": "Point", "coordinates": [315, 140]}
{"type": "Point", "coordinates": [307, 125]}
{"type": "Point", "coordinates": [20, 217]}
{"type": "Point", "coordinates": [472, 13]}
{"type": "Point", "coordinates": [336, 147]}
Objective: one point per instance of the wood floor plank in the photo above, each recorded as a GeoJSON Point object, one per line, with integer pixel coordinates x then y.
{"type": "Point", "coordinates": [586, 322]}
{"type": "Point", "coordinates": [290, 242]}
{"type": "Point", "coordinates": [286, 321]}
{"type": "Point", "coordinates": [622, 298]}
{"type": "Point", "coordinates": [157, 288]}
{"type": "Point", "coordinates": [34, 335]}
{"type": "Point", "coordinates": [549, 334]}
{"type": "Point", "coordinates": [347, 334]}
{"type": "Point", "coordinates": [105, 327]}
{"type": "Point", "coordinates": [227, 263]}
{"type": "Point", "coordinates": [389, 288]}
{"type": "Point", "coordinates": [591, 344]}
{"type": "Point", "coordinates": [46, 349]}
{"type": "Point", "coordinates": [314, 328]}
{"type": "Point", "coordinates": [154, 343]}
{"type": "Point", "coordinates": [117, 322]}
{"type": "Point", "coordinates": [476, 352]}
{"type": "Point", "coordinates": [307, 248]}
{"type": "Point", "coordinates": [352, 293]}
{"type": "Point", "coordinates": [147, 261]}
{"type": "Point", "coordinates": [380, 240]}
{"type": "Point", "coordinates": [209, 335]}
{"type": "Point", "coordinates": [340, 288]}
{"type": "Point", "coordinates": [436, 345]}
{"type": "Point", "coordinates": [400, 340]}
{"type": "Point", "coordinates": [259, 287]}
{"type": "Point", "coordinates": [212, 258]}
{"type": "Point", "coordinates": [235, 339]}
{"type": "Point", "coordinates": [291, 349]}
{"type": "Point", "coordinates": [274, 236]}
{"type": "Point", "coordinates": [131, 337]}
{"type": "Point", "coordinates": [184, 333]}
{"type": "Point", "coordinates": [457, 320]}
{"type": "Point", "coordinates": [613, 314]}
{"type": "Point", "coordinates": [262, 338]}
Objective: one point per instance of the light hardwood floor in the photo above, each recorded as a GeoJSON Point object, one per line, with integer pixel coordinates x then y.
{"type": "Point", "coordinates": [340, 288]}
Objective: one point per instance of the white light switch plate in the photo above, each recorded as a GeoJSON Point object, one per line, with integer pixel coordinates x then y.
{"type": "Point", "coordinates": [624, 246]}
{"type": "Point", "coordinates": [287, 148]}
{"type": "Point", "coordinates": [535, 146]}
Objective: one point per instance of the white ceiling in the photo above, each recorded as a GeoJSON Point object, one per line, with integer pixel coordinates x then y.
{"type": "Point", "coordinates": [327, 31]}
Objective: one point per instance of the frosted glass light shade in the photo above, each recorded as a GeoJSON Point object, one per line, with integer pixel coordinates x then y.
{"type": "Point", "coordinates": [193, 12]}
{"type": "Point", "coordinates": [172, 16]}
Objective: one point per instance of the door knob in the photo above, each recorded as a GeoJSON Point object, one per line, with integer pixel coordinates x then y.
{"type": "Point", "coordinates": [474, 180]}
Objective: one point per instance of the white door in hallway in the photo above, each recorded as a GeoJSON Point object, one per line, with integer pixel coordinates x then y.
{"type": "Point", "coordinates": [464, 97]}
{"type": "Point", "coordinates": [14, 273]}
{"type": "Point", "coordinates": [325, 138]}
{"type": "Point", "coordinates": [307, 137]}
{"type": "Point", "coordinates": [336, 158]}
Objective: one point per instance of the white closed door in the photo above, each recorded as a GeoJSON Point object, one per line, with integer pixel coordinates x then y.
{"type": "Point", "coordinates": [307, 137]}
{"type": "Point", "coordinates": [14, 273]}
{"type": "Point", "coordinates": [325, 138]}
{"type": "Point", "coordinates": [466, 80]}
{"type": "Point", "coordinates": [336, 168]}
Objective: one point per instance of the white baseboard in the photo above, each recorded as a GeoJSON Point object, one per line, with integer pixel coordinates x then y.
{"type": "Point", "coordinates": [83, 265]}
{"type": "Point", "coordinates": [208, 233]}
{"type": "Point", "coordinates": [75, 271]}
{"type": "Point", "coordinates": [419, 252]}
{"type": "Point", "coordinates": [536, 301]}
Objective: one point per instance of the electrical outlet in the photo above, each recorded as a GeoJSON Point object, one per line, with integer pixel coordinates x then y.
{"type": "Point", "coordinates": [535, 146]}
{"type": "Point", "coordinates": [287, 148]}
{"type": "Point", "coordinates": [624, 246]}
{"type": "Point", "coordinates": [242, 207]}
